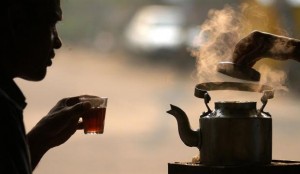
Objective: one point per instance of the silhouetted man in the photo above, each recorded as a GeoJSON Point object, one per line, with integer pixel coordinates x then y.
{"type": "Point", "coordinates": [28, 41]}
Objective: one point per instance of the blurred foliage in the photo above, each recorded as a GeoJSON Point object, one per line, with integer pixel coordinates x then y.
{"type": "Point", "coordinates": [82, 20]}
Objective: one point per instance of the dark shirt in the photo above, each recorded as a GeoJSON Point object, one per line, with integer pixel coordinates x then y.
{"type": "Point", "coordinates": [14, 151]}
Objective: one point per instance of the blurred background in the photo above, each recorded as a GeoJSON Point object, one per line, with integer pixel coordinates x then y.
{"type": "Point", "coordinates": [138, 54]}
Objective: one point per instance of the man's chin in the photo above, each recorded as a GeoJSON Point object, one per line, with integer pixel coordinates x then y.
{"type": "Point", "coordinates": [37, 76]}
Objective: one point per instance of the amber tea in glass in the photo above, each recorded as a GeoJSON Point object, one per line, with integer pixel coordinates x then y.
{"type": "Point", "coordinates": [94, 119]}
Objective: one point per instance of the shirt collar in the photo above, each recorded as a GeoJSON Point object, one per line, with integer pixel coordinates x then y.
{"type": "Point", "coordinates": [9, 87]}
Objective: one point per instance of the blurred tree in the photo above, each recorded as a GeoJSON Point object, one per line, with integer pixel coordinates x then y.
{"type": "Point", "coordinates": [83, 21]}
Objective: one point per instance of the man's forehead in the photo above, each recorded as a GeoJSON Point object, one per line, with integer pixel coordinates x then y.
{"type": "Point", "coordinates": [48, 4]}
{"type": "Point", "coordinates": [45, 2]}
{"type": "Point", "coordinates": [49, 8]}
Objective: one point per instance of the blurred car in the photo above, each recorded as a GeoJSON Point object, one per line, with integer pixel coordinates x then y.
{"type": "Point", "coordinates": [156, 28]}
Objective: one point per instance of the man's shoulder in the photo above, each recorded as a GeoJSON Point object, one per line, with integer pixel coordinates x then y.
{"type": "Point", "coordinates": [13, 152]}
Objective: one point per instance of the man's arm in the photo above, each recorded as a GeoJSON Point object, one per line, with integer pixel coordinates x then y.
{"type": "Point", "coordinates": [258, 45]}
{"type": "Point", "coordinates": [56, 128]}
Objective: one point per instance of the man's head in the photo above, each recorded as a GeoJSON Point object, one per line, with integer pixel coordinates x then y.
{"type": "Point", "coordinates": [30, 38]}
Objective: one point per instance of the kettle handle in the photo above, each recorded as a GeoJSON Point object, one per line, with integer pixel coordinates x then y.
{"type": "Point", "coordinates": [202, 88]}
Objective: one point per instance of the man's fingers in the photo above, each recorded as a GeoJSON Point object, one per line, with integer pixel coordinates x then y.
{"type": "Point", "coordinates": [79, 109]}
{"type": "Point", "coordinates": [74, 100]}
{"type": "Point", "coordinates": [80, 125]}
{"type": "Point", "coordinates": [71, 101]}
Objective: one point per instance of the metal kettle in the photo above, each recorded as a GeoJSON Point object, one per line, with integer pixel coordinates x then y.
{"type": "Point", "coordinates": [234, 133]}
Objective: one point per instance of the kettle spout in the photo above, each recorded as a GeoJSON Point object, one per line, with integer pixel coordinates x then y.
{"type": "Point", "coordinates": [187, 135]}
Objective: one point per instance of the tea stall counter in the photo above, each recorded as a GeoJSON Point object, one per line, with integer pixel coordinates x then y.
{"type": "Point", "coordinates": [276, 167]}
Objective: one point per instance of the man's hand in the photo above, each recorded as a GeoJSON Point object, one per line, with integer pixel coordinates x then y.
{"type": "Point", "coordinates": [57, 126]}
{"type": "Point", "coordinates": [258, 45]}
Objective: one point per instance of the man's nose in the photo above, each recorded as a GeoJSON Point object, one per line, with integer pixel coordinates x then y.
{"type": "Point", "coordinates": [56, 40]}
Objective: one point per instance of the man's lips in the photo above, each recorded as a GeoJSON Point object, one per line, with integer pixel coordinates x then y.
{"type": "Point", "coordinates": [49, 63]}
{"type": "Point", "coordinates": [52, 55]}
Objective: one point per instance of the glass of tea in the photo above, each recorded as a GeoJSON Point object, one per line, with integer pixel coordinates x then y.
{"type": "Point", "coordinates": [93, 120]}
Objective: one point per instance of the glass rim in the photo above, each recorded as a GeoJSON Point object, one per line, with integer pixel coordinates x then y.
{"type": "Point", "coordinates": [96, 102]}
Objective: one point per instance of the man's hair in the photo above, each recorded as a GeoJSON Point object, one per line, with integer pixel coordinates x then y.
{"type": "Point", "coordinates": [14, 13]}
{"type": "Point", "coordinates": [30, 6]}
{"type": "Point", "coordinates": [34, 10]}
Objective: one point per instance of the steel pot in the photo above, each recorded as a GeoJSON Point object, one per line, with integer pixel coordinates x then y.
{"type": "Point", "coordinates": [234, 133]}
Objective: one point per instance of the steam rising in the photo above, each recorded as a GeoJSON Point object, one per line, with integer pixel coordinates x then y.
{"type": "Point", "coordinates": [273, 77]}
{"type": "Point", "coordinates": [222, 30]}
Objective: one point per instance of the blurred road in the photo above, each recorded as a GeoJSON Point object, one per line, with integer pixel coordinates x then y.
{"type": "Point", "coordinates": [139, 137]}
